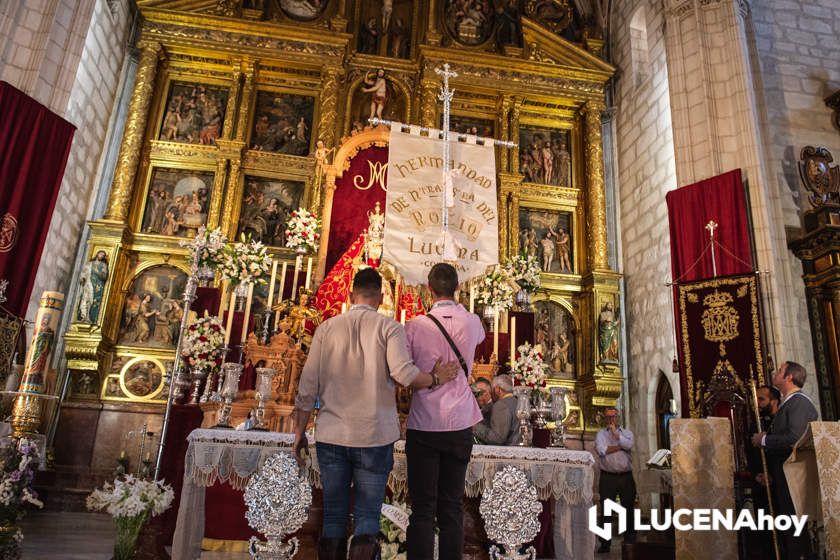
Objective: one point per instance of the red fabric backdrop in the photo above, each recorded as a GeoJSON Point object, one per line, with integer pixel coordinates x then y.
{"type": "Point", "coordinates": [690, 208]}
{"type": "Point", "coordinates": [34, 145]}
{"type": "Point", "coordinates": [352, 203]}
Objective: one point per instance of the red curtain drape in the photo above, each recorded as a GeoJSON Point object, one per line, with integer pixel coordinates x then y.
{"type": "Point", "coordinates": [34, 145]}
{"type": "Point", "coordinates": [353, 199]}
{"type": "Point", "coordinates": [720, 199]}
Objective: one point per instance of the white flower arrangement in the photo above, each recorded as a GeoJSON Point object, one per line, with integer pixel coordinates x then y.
{"type": "Point", "coordinates": [131, 496]}
{"type": "Point", "coordinates": [530, 370]}
{"type": "Point", "coordinates": [496, 290]}
{"type": "Point", "coordinates": [246, 262]}
{"type": "Point", "coordinates": [303, 230]}
{"type": "Point", "coordinates": [207, 249]}
{"type": "Point", "coordinates": [525, 271]}
{"type": "Point", "coordinates": [203, 346]}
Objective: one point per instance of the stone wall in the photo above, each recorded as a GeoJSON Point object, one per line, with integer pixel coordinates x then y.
{"type": "Point", "coordinates": [645, 172]}
{"type": "Point", "coordinates": [70, 56]}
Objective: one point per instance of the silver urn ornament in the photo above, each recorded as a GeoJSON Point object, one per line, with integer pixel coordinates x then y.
{"type": "Point", "coordinates": [278, 501]}
{"type": "Point", "coordinates": [511, 514]}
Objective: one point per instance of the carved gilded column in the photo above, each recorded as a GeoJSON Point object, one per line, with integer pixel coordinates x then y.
{"type": "Point", "coordinates": [433, 36]}
{"type": "Point", "coordinates": [428, 103]}
{"type": "Point", "coordinates": [329, 105]}
{"type": "Point", "coordinates": [514, 221]}
{"type": "Point", "coordinates": [248, 70]}
{"type": "Point", "coordinates": [502, 108]}
{"type": "Point", "coordinates": [233, 103]}
{"type": "Point", "coordinates": [596, 208]}
{"type": "Point", "coordinates": [216, 194]}
{"type": "Point", "coordinates": [515, 109]}
{"type": "Point", "coordinates": [234, 180]}
{"type": "Point", "coordinates": [135, 127]}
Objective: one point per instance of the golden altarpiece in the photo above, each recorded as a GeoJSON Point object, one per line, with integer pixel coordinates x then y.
{"type": "Point", "coordinates": [232, 102]}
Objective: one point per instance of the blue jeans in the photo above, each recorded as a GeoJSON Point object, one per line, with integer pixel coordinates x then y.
{"type": "Point", "coordinates": [368, 469]}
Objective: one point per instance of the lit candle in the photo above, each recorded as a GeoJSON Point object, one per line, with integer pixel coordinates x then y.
{"type": "Point", "coordinates": [496, 333]}
{"type": "Point", "coordinates": [512, 341]}
{"type": "Point", "coordinates": [472, 298]}
{"type": "Point", "coordinates": [308, 272]}
{"type": "Point", "coordinates": [344, 307]}
{"type": "Point", "coordinates": [271, 283]}
{"type": "Point", "coordinates": [230, 317]}
{"type": "Point", "coordinates": [282, 281]}
{"type": "Point", "coordinates": [295, 279]}
{"type": "Point", "coordinates": [247, 311]}
{"type": "Point", "coordinates": [122, 454]}
{"type": "Point", "coordinates": [223, 301]}
{"type": "Point", "coordinates": [402, 316]}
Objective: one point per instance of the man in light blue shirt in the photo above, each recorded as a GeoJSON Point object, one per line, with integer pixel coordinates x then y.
{"type": "Point", "coordinates": [614, 445]}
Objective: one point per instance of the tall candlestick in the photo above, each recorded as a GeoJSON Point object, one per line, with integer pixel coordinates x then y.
{"type": "Point", "coordinates": [308, 272]}
{"type": "Point", "coordinates": [402, 316]}
{"type": "Point", "coordinates": [280, 296]}
{"type": "Point", "coordinates": [271, 283]}
{"type": "Point", "coordinates": [231, 307]}
{"type": "Point", "coordinates": [247, 312]}
{"type": "Point", "coordinates": [298, 261]}
{"type": "Point", "coordinates": [472, 298]}
{"type": "Point", "coordinates": [223, 300]}
{"type": "Point", "coordinates": [496, 333]}
{"type": "Point", "coordinates": [512, 342]}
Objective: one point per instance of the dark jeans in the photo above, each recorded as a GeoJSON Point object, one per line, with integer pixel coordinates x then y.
{"type": "Point", "coordinates": [368, 468]}
{"type": "Point", "coordinates": [437, 466]}
{"type": "Point", "coordinates": [622, 485]}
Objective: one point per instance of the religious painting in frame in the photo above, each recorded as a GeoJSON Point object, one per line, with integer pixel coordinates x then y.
{"type": "Point", "coordinates": [547, 235]}
{"type": "Point", "coordinates": [376, 95]}
{"type": "Point", "coordinates": [300, 10]}
{"type": "Point", "coordinates": [282, 123]}
{"type": "Point", "coordinates": [472, 125]}
{"type": "Point", "coordinates": [470, 23]}
{"type": "Point", "coordinates": [153, 308]}
{"type": "Point", "coordinates": [385, 27]}
{"type": "Point", "coordinates": [544, 155]}
{"type": "Point", "coordinates": [177, 201]}
{"type": "Point", "coordinates": [194, 113]}
{"type": "Point", "coordinates": [133, 377]}
{"type": "Point", "coordinates": [554, 330]}
{"type": "Point", "coordinates": [266, 206]}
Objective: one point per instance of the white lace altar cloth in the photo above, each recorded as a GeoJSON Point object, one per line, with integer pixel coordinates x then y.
{"type": "Point", "coordinates": [234, 456]}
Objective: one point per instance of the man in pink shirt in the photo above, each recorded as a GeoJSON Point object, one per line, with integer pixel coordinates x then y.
{"type": "Point", "coordinates": [439, 438]}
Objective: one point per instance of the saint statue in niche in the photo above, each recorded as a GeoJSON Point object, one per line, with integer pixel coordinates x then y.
{"type": "Point", "coordinates": [377, 87]}
{"type": "Point", "coordinates": [303, 10]}
{"type": "Point", "coordinates": [470, 21]}
{"type": "Point", "coordinates": [608, 334]}
{"type": "Point", "coordinates": [92, 285]}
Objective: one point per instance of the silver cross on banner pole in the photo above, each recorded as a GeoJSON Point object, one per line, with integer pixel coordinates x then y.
{"type": "Point", "coordinates": [446, 95]}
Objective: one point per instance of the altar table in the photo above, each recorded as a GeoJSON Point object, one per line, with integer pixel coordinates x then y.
{"type": "Point", "coordinates": [234, 456]}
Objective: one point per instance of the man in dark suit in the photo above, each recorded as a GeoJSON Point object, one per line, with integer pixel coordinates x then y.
{"type": "Point", "coordinates": [791, 421]}
{"type": "Point", "coordinates": [502, 428]}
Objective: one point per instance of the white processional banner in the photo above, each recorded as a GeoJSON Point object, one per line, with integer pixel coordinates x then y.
{"type": "Point", "coordinates": [414, 205]}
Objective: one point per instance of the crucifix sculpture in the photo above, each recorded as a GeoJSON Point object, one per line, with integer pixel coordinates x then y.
{"type": "Point", "coordinates": [712, 226]}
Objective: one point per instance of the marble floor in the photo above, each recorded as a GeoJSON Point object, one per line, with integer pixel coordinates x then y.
{"type": "Point", "coordinates": [90, 536]}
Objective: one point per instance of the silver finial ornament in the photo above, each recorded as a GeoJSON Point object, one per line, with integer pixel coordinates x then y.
{"type": "Point", "coordinates": [278, 501]}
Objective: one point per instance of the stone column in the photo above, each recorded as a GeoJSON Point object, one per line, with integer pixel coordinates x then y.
{"type": "Point", "coordinates": [135, 127]}
{"type": "Point", "coordinates": [596, 209]}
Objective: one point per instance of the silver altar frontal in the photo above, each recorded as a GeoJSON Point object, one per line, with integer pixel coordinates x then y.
{"type": "Point", "coordinates": [235, 456]}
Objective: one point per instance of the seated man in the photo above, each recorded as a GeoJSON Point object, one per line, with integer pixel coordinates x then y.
{"type": "Point", "coordinates": [503, 426]}
{"type": "Point", "coordinates": [483, 391]}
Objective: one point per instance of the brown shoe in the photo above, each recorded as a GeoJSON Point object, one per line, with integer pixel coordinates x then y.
{"type": "Point", "coordinates": [364, 547]}
{"type": "Point", "coordinates": [332, 549]}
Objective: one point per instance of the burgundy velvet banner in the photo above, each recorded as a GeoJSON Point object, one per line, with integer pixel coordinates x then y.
{"type": "Point", "coordinates": [34, 145]}
{"type": "Point", "coordinates": [356, 194]}
{"type": "Point", "coordinates": [720, 199]}
{"type": "Point", "coordinates": [719, 337]}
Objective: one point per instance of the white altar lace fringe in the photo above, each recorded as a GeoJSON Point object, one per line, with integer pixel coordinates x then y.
{"type": "Point", "coordinates": [234, 456]}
